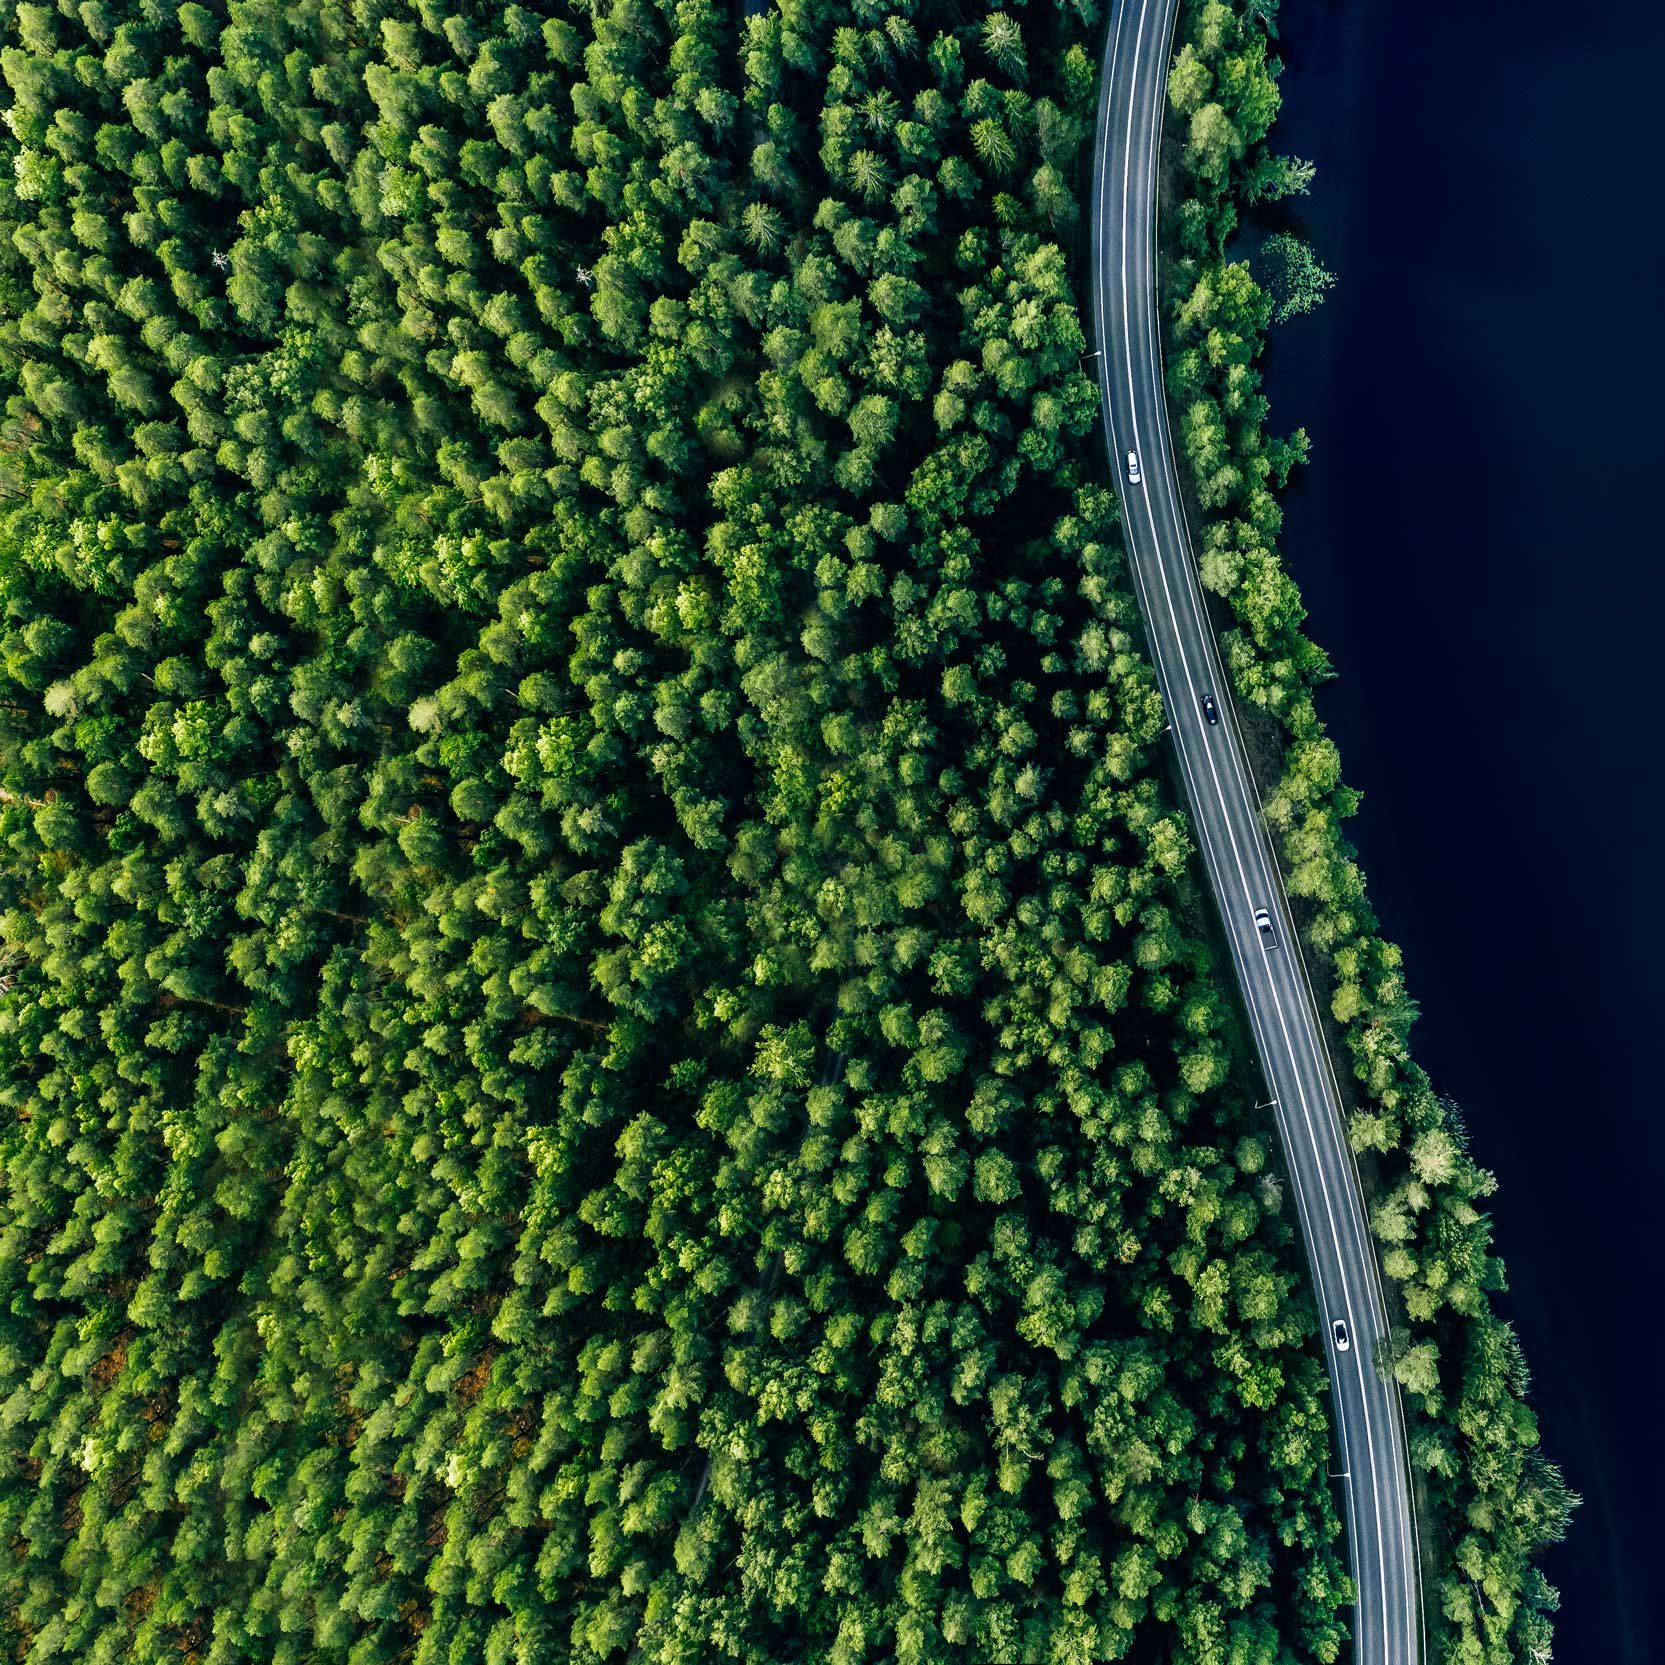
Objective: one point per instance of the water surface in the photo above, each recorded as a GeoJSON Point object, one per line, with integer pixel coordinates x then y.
{"type": "Point", "coordinates": [1478, 540]}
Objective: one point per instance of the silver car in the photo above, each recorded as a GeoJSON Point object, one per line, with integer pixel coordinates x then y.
{"type": "Point", "coordinates": [1133, 474]}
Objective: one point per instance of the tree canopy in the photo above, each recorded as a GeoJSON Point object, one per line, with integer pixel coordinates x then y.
{"type": "Point", "coordinates": [609, 1043]}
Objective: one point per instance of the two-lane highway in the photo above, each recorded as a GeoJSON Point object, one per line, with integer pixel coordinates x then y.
{"type": "Point", "coordinates": [1236, 854]}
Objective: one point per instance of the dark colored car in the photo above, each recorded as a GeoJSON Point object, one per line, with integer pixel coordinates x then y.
{"type": "Point", "coordinates": [1210, 710]}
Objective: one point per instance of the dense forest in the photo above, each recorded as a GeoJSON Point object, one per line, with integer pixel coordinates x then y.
{"type": "Point", "coordinates": [608, 1036]}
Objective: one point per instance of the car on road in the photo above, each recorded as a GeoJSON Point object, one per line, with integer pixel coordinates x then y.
{"type": "Point", "coordinates": [1338, 1333]}
{"type": "Point", "coordinates": [1210, 710]}
{"type": "Point", "coordinates": [1263, 924]}
{"type": "Point", "coordinates": [1133, 474]}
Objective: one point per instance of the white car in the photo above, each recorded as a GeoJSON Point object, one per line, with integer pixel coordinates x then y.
{"type": "Point", "coordinates": [1133, 474]}
{"type": "Point", "coordinates": [1338, 1332]}
{"type": "Point", "coordinates": [1263, 924]}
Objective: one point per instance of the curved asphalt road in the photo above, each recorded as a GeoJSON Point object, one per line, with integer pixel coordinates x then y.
{"type": "Point", "coordinates": [1387, 1625]}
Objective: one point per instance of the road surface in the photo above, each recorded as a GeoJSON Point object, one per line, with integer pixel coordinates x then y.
{"type": "Point", "coordinates": [1387, 1620]}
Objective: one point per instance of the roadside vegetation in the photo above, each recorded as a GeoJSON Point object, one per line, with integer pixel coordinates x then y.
{"type": "Point", "coordinates": [606, 1039]}
{"type": "Point", "coordinates": [1493, 1502]}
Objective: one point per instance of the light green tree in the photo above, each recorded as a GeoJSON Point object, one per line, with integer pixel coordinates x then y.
{"type": "Point", "coordinates": [1291, 274]}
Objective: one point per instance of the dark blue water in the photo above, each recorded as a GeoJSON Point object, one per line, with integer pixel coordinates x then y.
{"type": "Point", "coordinates": [1478, 539]}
